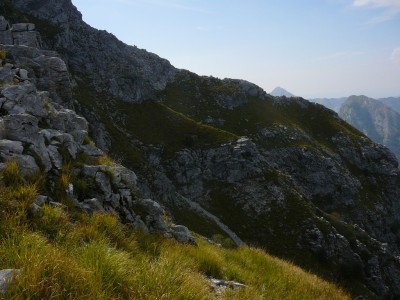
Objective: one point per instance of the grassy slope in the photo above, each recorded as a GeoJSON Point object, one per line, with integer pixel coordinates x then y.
{"type": "Point", "coordinates": [194, 96]}
{"type": "Point", "coordinates": [68, 255]}
{"type": "Point", "coordinates": [150, 123]}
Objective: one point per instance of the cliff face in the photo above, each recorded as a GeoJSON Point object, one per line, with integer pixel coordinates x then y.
{"type": "Point", "coordinates": [226, 158]}
{"type": "Point", "coordinates": [44, 137]}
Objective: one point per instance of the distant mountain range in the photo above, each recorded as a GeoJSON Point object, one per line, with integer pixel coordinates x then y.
{"type": "Point", "coordinates": [278, 92]}
{"type": "Point", "coordinates": [375, 119]}
{"type": "Point", "coordinates": [379, 119]}
{"type": "Point", "coordinates": [336, 103]}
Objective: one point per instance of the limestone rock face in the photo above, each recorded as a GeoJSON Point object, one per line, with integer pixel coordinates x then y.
{"type": "Point", "coordinates": [43, 136]}
{"type": "Point", "coordinates": [23, 34]}
{"type": "Point", "coordinates": [292, 177]}
{"type": "Point", "coordinates": [91, 53]}
{"type": "Point", "coordinates": [45, 69]}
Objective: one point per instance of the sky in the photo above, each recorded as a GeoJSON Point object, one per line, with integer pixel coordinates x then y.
{"type": "Point", "coordinates": [312, 48]}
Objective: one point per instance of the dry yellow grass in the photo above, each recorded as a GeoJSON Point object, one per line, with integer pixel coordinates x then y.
{"type": "Point", "coordinates": [96, 257]}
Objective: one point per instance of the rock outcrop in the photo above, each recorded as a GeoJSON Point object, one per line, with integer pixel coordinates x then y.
{"type": "Point", "coordinates": [44, 137]}
{"type": "Point", "coordinates": [279, 173]}
{"type": "Point", "coordinates": [23, 34]}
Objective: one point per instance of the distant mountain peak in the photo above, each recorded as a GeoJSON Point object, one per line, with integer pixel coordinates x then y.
{"type": "Point", "coordinates": [278, 91]}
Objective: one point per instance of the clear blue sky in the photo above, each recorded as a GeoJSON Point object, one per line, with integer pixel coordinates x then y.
{"type": "Point", "coordinates": [312, 48]}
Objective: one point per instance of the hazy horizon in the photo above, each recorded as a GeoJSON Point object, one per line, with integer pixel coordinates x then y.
{"type": "Point", "coordinates": [314, 49]}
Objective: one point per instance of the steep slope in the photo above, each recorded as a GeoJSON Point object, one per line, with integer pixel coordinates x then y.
{"type": "Point", "coordinates": [280, 173]}
{"type": "Point", "coordinates": [375, 119]}
{"type": "Point", "coordinates": [72, 225]}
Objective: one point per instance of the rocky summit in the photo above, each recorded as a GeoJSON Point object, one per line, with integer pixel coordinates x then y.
{"type": "Point", "coordinates": [221, 157]}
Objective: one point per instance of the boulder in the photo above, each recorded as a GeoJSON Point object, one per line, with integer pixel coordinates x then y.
{"type": "Point", "coordinates": [152, 213]}
{"type": "Point", "coordinates": [26, 163]}
{"type": "Point", "coordinates": [6, 277]}
{"type": "Point", "coordinates": [11, 147]}
{"type": "Point", "coordinates": [23, 99]}
{"type": "Point", "coordinates": [182, 234]}
{"type": "Point", "coordinates": [68, 121]}
{"type": "Point", "coordinates": [91, 205]}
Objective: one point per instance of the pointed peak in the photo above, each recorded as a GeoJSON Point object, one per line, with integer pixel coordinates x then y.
{"type": "Point", "coordinates": [278, 91]}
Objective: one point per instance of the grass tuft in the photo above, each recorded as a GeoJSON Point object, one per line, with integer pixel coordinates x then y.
{"type": "Point", "coordinates": [11, 174]}
{"type": "Point", "coordinates": [77, 256]}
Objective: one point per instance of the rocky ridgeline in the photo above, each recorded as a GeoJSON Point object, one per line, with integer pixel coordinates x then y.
{"type": "Point", "coordinates": [43, 137]}
{"type": "Point", "coordinates": [302, 184]}
{"type": "Point", "coordinates": [90, 54]}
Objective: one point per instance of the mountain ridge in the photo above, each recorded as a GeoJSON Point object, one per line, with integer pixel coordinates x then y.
{"type": "Point", "coordinates": [270, 169]}
{"type": "Point", "coordinates": [73, 224]}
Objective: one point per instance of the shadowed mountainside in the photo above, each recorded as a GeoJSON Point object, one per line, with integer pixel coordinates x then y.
{"type": "Point", "coordinates": [225, 158]}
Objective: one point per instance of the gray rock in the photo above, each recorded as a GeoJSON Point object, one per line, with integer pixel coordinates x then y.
{"type": "Point", "coordinates": [26, 163]}
{"type": "Point", "coordinates": [6, 37]}
{"type": "Point", "coordinates": [60, 139]}
{"type": "Point", "coordinates": [150, 207]}
{"type": "Point", "coordinates": [91, 205]}
{"type": "Point", "coordinates": [103, 183]}
{"type": "Point", "coordinates": [21, 27]}
{"type": "Point", "coordinates": [139, 225]}
{"type": "Point", "coordinates": [91, 150]}
{"type": "Point", "coordinates": [220, 285]}
{"type": "Point", "coordinates": [23, 74]}
{"type": "Point", "coordinates": [26, 38]}
{"type": "Point", "coordinates": [152, 213]}
{"type": "Point", "coordinates": [68, 121]}
{"type": "Point", "coordinates": [124, 176]}
{"type": "Point", "coordinates": [11, 147]}
{"type": "Point", "coordinates": [41, 200]}
{"type": "Point", "coordinates": [20, 127]}
{"type": "Point", "coordinates": [6, 277]}
{"type": "Point", "coordinates": [6, 72]}
{"type": "Point", "coordinates": [46, 70]}
{"type": "Point", "coordinates": [55, 157]}
{"type": "Point", "coordinates": [23, 99]}
{"type": "Point", "coordinates": [4, 25]}
{"type": "Point", "coordinates": [182, 234]}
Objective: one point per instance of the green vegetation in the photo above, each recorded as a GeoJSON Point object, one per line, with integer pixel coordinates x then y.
{"type": "Point", "coordinates": [151, 123]}
{"type": "Point", "coordinates": [196, 97]}
{"type": "Point", "coordinates": [71, 255]}
{"type": "Point", "coordinates": [155, 123]}
{"type": "Point", "coordinates": [3, 54]}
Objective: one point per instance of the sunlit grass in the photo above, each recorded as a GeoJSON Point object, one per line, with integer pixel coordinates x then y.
{"type": "Point", "coordinates": [78, 256]}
